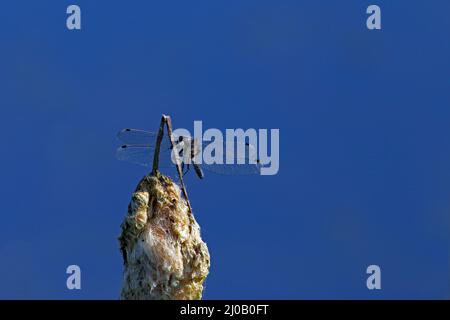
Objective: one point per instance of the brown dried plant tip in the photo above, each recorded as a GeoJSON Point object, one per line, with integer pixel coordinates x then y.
{"type": "Point", "coordinates": [164, 255]}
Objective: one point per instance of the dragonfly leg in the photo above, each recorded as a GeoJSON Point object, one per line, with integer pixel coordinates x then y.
{"type": "Point", "coordinates": [187, 169]}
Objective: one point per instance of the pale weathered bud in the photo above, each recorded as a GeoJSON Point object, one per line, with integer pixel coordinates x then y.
{"type": "Point", "coordinates": [164, 255]}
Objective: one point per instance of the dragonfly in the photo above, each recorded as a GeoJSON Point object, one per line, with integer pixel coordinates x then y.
{"type": "Point", "coordinates": [139, 146]}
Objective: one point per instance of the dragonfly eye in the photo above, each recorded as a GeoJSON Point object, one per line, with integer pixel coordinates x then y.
{"type": "Point", "coordinates": [124, 146]}
{"type": "Point", "coordinates": [127, 130]}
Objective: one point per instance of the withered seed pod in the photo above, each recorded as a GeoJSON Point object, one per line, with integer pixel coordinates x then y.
{"type": "Point", "coordinates": [164, 255]}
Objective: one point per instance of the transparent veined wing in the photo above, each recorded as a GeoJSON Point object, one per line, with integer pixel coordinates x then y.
{"type": "Point", "coordinates": [139, 147]}
{"type": "Point", "coordinates": [140, 137]}
{"type": "Point", "coordinates": [136, 136]}
{"type": "Point", "coordinates": [147, 138]}
{"type": "Point", "coordinates": [143, 155]}
{"type": "Point", "coordinates": [233, 158]}
{"type": "Point", "coordinates": [233, 169]}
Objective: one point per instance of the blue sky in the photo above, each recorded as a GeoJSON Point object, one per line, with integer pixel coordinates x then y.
{"type": "Point", "coordinates": [364, 142]}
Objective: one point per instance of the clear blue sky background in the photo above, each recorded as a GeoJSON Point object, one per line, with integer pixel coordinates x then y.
{"type": "Point", "coordinates": [364, 120]}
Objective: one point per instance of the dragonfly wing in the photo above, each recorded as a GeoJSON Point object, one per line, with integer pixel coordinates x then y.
{"type": "Point", "coordinates": [233, 169]}
{"type": "Point", "coordinates": [243, 154]}
{"type": "Point", "coordinates": [136, 136]}
{"type": "Point", "coordinates": [143, 155]}
{"type": "Point", "coordinates": [140, 146]}
{"type": "Point", "coordinates": [236, 160]}
{"type": "Point", "coordinates": [142, 137]}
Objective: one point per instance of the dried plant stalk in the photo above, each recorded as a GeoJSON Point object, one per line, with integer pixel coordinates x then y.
{"type": "Point", "coordinates": [164, 255]}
